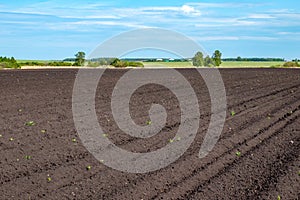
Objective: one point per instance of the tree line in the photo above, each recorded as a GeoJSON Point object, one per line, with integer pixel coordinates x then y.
{"type": "Point", "coordinates": [9, 63]}
{"type": "Point", "coordinates": [198, 60]}
{"type": "Point", "coordinates": [52, 63]}
{"type": "Point", "coordinates": [77, 61]}
{"type": "Point", "coordinates": [214, 60]}
{"type": "Point", "coordinates": [240, 59]}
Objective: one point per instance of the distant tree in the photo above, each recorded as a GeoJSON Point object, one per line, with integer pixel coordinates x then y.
{"type": "Point", "coordinates": [69, 60]}
{"type": "Point", "coordinates": [239, 58]}
{"type": "Point", "coordinates": [198, 60]}
{"type": "Point", "coordinates": [80, 59]}
{"type": "Point", "coordinates": [115, 62]}
{"type": "Point", "coordinates": [208, 62]}
{"type": "Point", "coordinates": [9, 63]}
{"type": "Point", "coordinates": [217, 58]}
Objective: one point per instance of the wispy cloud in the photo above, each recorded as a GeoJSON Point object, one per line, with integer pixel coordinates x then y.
{"type": "Point", "coordinates": [17, 22]}
{"type": "Point", "coordinates": [93, 17]}
{"type": "Point", "coordinates": [258, 38]}
{"type": "Point", "coordinates": [227, 22]}
{"type": "Point", "coordinates": [261, 16]}
{"type": "Point", "coordinates": [105, 23]}
{"type": "Point", "coordinates": [294, 16]}
{"type": "Point", "coordinates": [223, 5]}
{"type": "Point", "coordinates": [288, 33]}
{"type": "Point", "coordinates": [185, 9]}
{"type": "Point", "coordinates": [103, 10]}
{"type": "Point", "coordinates": [188, 15]}
{"type": "Point", "coordinates": [205, 21]}
{"type": "Point", "coordinates": [292, 36]}
{"type": "Point", "coordinates": [235, 38]}
{"type": "Point", "coordinates": [216, 38]}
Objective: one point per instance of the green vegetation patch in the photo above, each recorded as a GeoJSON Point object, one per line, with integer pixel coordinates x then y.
{"type": "Point", "coordinates": [30, 123]}
{"type": "Point", "coordinates": [238, 153]}
{"type": "Point", "coordinates": [9, 63]}
{"type": "Point", "coordinates": [44, 63]}
{"type": "Point", "coordinates": [291, 64]}
{"type": "Point", "coordinates": [123, 64]}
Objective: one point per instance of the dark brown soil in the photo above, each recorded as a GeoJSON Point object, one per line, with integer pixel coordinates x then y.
{"type": "Point", "coordinates": [265, 129]}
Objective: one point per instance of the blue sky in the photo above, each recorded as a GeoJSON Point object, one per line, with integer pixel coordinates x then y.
{"type": "Point", "coordinates": [32, 29]}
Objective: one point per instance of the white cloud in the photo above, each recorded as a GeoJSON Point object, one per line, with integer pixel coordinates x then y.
{"type": "Point", "coordinates": [107, 23]}
{"type": "Point", "coordinates": [217, 38]}
{"type": "Point", "coordinates": [280, 11]}
{"type": "Point", "coordinates": [257, 38]}
{"type": "Point", "coordinates": [190, 10]}
{"type": "Point", "coordinates": [292, 16]}
{"type": "Point", "coordinates": [289, 33]}
{"type": "Point", "coordinates": [66, 10]}
{"type": "Point", "coordinates": [261, 16]}
{"type": "Point", "coordinates": [247, 23]}
{"type": "Point", "coordinates": [185, 9]}
{"type": "Point", "coordinates": [235, 38]}
{"type": "Point", "coordinates": [17, 22]}
{"type": "Point", "coordinates": [102, 11]}
{"type": "Point", "coordinates": [226, 22]}
{"type": "Point", "coordinates": [192, 17]}
{"type": "Point", "coordinates": [95, 16]}
{"type": "Point", "coordinates": [223, 5]}
{"type": "Point", "coordinates": [163, 8]}
{"type": "Point", "coordinates": [86, 26]}
{"type": "Point", "coordinates": [91, 6]}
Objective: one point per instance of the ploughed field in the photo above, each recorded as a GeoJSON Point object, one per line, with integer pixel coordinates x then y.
{"type": "Point", "coordinates": [257, 156]}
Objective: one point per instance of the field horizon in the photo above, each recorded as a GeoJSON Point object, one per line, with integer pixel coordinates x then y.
{"type": "Point", "coordinates": [225, 64]}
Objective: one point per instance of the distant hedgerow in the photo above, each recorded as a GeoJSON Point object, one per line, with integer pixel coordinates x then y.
{"type": "Point", "coordinates": [9, 63]}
